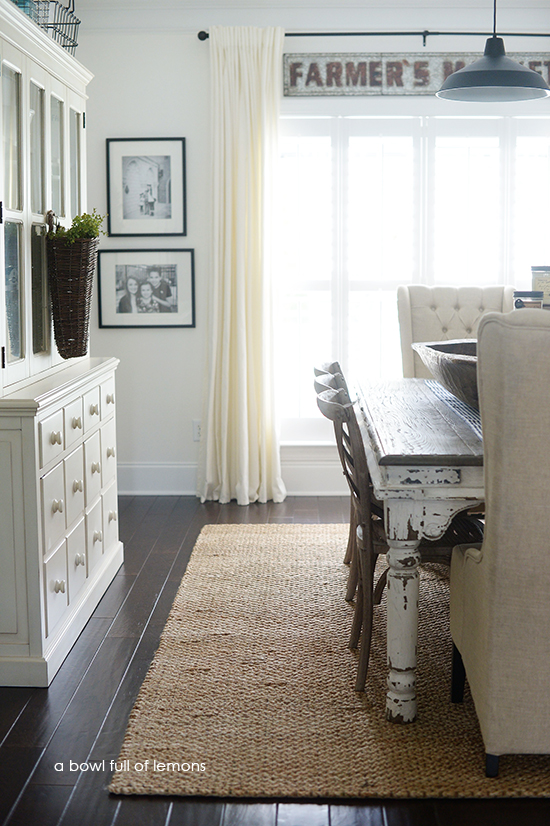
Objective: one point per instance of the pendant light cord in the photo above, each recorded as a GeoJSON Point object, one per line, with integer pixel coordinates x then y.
{"type": "Point", "coordinates": [495, 18]}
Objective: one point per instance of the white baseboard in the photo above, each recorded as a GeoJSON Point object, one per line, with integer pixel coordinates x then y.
{"type": "Point", "coordinates": [312, 470]}
{"type": "Point", "coordinates": [157, 478]}
{"type": "Point", "coordinates": [307, 470]}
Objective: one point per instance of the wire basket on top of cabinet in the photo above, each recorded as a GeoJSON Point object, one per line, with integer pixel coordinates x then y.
{"type": "Point", "coordinates": [59, 21]}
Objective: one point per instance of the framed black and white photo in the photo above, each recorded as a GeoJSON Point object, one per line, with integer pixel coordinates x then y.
{"type": "Point", "coordinates": [146, 288]}
{"type": "Point", "coordinates": [146, 186]}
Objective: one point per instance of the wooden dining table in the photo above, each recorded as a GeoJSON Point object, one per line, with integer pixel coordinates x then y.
{"type": "Point", "coordinates": [425, 456]}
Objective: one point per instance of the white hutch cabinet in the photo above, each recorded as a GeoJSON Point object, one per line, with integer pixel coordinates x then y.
{"type": "Point", "coordinates": [59, 545]}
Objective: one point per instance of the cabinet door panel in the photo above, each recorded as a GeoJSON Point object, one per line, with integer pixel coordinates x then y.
{"type": "Point", "coordinates": [91, 409]}
{"type": "Point", "coordinates": [51, 437]}
{"type": "Point", "coordinates": [76, 559]}
{"type": "Point", "coordinates": [110, 518]}
{"type": "Point", "coordinates": [108, 451]}
{"type": "Point", "coordinates": [94, 536]}
{"type": "Point", "coordinates": [56, 584]}
{"type": "Point", "coordinates": [73, 421]}
{"type": "Point", "coordinates": [92, 472]}
{"type": "Point", "coordinates": [107, 397]}
{"type": "Point", "coordinates": [74, 484]}
{"type": "Point", "coordinates": [53, 506]}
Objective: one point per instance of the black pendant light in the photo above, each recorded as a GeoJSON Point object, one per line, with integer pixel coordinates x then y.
{"type": "Point", "coordinates": [494, 77]}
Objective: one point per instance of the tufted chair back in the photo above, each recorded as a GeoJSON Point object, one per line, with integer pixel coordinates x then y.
{"type": "Point", "coordinates": [443, 313]}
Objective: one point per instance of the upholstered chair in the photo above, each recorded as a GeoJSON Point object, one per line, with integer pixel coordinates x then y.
{"type": "Point", "coordinates": [443, 313]}
{"type": "Point", "coordinates": [500, 590]}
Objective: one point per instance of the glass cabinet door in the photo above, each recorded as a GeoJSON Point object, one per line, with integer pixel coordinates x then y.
{"type": "Point", "coordinates": [14, 292]}
{"type": "Point", "coordinates": [57, 149]}
{"type": "Point", "coordinates": [11, 135]}
{"type": "Point", "coordinates": [41, 316]}
{"type": "Point", "coordinates": [41, 169]}
{"type": "Point", "coordinates": [37, 143]}
{"type": "Point", "coordinates": [75, 163]}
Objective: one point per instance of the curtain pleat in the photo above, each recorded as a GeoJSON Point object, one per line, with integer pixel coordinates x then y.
{"type": "Point", "coordinates": [240, 450]}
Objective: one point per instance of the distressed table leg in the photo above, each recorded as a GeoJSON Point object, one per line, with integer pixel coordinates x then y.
{"type": "Point", "coordinates": [402, 612]}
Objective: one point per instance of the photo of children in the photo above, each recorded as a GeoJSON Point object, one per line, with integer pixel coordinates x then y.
{"type": "Point", "coordinates": [146, 187]}
{"type": "Point", "coordinates": [146, 289]}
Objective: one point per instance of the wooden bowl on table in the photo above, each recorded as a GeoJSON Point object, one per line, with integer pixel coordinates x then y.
{"type": "Point", "coordinates": [454, 365]}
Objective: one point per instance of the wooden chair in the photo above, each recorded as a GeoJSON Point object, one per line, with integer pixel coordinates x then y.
{"type": "Point", "coordinates": [500, 605]}
{"type": "Point", "coordinates": [443, 313]}
{"type": "Point", "coordinates": [336, 405]}
{"type": "Point", "coordinates": [329, 376]}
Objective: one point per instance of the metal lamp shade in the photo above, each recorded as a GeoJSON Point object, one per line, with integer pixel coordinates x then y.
{"type": "Point", "coordinates": [494, 77]}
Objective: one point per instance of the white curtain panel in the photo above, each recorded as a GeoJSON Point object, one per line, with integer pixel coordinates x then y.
{"type": "Point", "coordinates": [240, 452]}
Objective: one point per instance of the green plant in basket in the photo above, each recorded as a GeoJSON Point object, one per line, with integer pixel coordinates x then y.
{"type": "Point", "coordinates": [83, 227]}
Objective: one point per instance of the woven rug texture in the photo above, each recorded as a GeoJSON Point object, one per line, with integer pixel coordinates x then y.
{"type": "Point", "coordinates": [250, 693]}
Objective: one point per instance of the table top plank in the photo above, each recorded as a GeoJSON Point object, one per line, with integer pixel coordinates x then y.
{"type": "Point", "coordinates": [409, 425]}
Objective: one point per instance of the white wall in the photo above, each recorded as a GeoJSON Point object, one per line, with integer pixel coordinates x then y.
{"type": "Point", "coordinates": [152, 80]}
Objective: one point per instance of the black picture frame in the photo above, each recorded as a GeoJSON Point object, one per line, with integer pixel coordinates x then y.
{"type": "Point", "coordinates": [146, 186]}
{"type": "Point", "coordinates": [146, 288]}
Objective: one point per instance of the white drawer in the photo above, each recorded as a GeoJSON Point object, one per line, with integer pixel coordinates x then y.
{"type": "Point", "coordinates": [92, 467]}
{"type": "Point", "coordinates": [50, 435]}
{"type": "Point", "coordinates": [91, 409]}
{"type": "Point", "coordinates": [94, 536]}
{"type": "Point", "coordinates": [107, 397]}
{"type": "Point", "coordinates": [108, 451]}
{"type": "Point", "coordinates": [74, 422]}
{"type": "Point", "coordinates": [53, 506]}
{"type": "Point", "coordinates": [74, 484]}
{"type": "Point", "coordinates": [110, 518]}
{"type": "Point", "coordinates": [56, 585]}
{"type": "Point", "coordinates": [76, 559]}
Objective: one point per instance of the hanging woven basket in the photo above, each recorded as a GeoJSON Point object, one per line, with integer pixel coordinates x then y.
{"type": "Point", "coordinates": [71, 270]}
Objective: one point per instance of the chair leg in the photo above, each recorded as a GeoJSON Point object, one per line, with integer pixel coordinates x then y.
{"type": "Point", "coordinates": [352, 538]}
{"type": "Point", "coordinates": [367, 561]}
{"type": "Point", "coordinates": [380, 585]}
{"type": "Point", "coordinates": [355, 632]}
{"type": "Point", "coordinates": [491, 765]}
{"type": "Point", "coordinates": [458, 677]}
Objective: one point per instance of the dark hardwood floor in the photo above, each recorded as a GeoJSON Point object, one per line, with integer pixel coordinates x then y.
{"type": "Point", "coordinates": [82, 716]}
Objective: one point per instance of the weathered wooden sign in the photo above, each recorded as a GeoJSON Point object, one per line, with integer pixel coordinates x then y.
{"type": "Point", "coordinates": [383, 74]}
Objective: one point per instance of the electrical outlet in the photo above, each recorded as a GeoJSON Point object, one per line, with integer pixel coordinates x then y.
{"type": "Point", "coordinates": [196, 430]}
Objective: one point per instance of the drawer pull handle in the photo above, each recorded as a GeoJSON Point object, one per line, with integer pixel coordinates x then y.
{"type": "Point", "coordinates": [98, 536]}
{"type": "Point", "coordinates": [59, 586]}
{"type": "Point", "coordinates": [77, 423]}
{"type": "Point", "coordinates": [110, 398]}
{"type": "Point", "coordinates": [57, 506]}
{"type": "Point", "coordinates": [80, 559]}
{"type": "Point", "coordinates": [110, 451]}
{"type": "Point", "coordinates": [55, 438]}
{"type": "Point", "coordinates": [112, 516]}
{"type": "Point", "coordinates": [94, 410]}
{"type": "Point", "coordinates": [96, 467]}
{"type": "Point", "coordinates": [78, 485]}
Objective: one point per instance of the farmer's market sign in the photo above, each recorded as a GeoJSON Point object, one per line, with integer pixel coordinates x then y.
{"type": "Point", "coordinates": [383, 74]}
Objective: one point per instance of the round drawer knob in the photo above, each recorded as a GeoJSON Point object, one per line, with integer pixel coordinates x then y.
{"type": "Point", "coordinates": [96, 467]}
{"type": "Point", "coordinates": [112, 516]}
{"type": "Point", "coordinates": [59, 586]}
{"type": "Point", "coordinates": [77, 423]}
{"type": "Point", "coordinates": [110, 451]}
{"type": "Point", "coordinates": [78, 486]}
{"type": "Point", "coordinates": [110, 398]}
{"type": "Point", "coordinates": [80, 559]}
{"type": "Point", "coordinates": [98, 536]}
{"type": "Point", "coordinates": [55, 438]}
{"type": "Point", "coordinates": [57, 506]}
{"type": "Point", "coordinates": [94, 410]}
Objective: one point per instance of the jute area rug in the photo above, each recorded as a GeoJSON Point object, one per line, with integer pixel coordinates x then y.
{"type": "Point", "coordinates": [250, 693]}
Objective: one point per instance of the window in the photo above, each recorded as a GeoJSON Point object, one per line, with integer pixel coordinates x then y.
{"type": "Point", "coordinates": [367, 204]}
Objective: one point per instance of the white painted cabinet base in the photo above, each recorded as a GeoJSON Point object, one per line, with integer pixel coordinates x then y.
{"type": "Point", "coordinates": [59, 545]}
